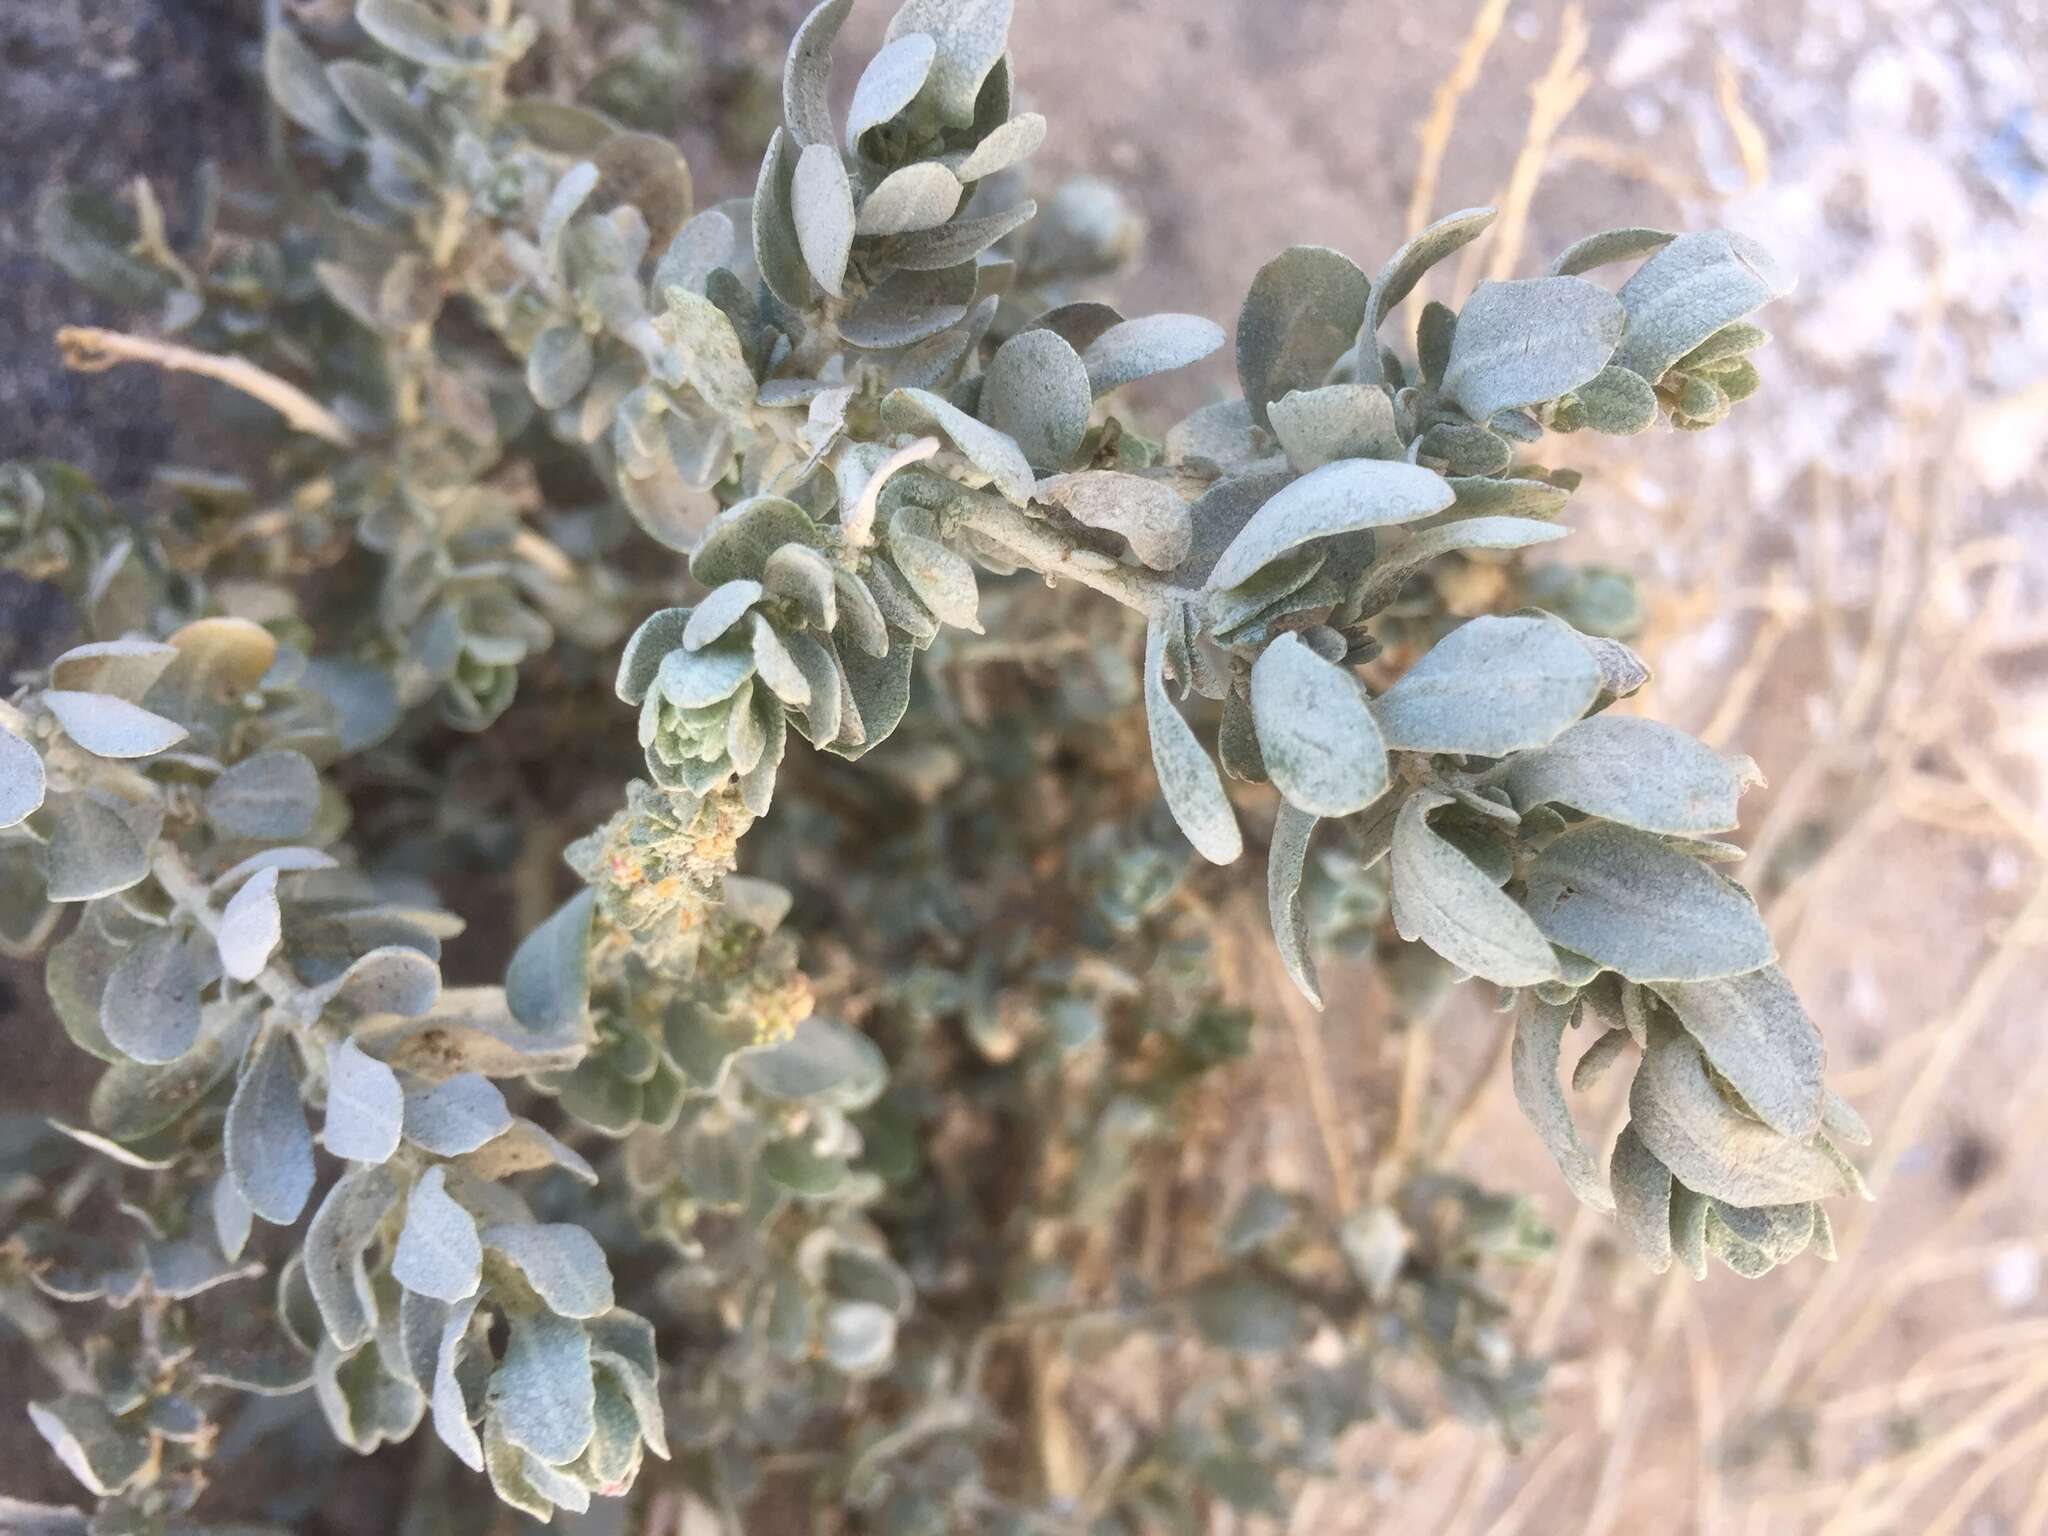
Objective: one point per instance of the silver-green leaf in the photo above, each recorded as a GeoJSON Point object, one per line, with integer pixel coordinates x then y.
{"type": "Point", "coordinates": [269, 1148]}
{"type": "Point", "coordinates": [1188, 779]}
{"type": "Point", "coordinates": [439, 1253]}
{"type": "Point", "coordinates": [1641, 907]}
{"type": "Point", "coordinates": [1525, 342]}
{"type": "Point", "coordinates": [1490, 687]}
{"type": "Point", "coordinates": [1338, 498]}
{"type": "Point", "coordinates": [1532, 1067]}
{"type": "Point", "coordinates": [1442, 899]}
{"type": "Point", "coordinates": [1317, 736]}
{"type": "Point", "coordinates": [365, 1105]}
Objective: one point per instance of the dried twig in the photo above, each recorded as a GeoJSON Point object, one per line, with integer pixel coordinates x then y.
{"type": "Point", "coordinates": [89, 349]}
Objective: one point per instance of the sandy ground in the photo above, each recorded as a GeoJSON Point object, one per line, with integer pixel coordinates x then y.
{"type": "Point", "coordinates": [1852, 575]}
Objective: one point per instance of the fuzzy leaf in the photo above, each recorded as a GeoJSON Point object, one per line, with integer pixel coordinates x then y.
{"type": "Point", "coordinates": [1521, 343]}
{"type": "Point", "coordinates": [250, 926]}
{"type": "Point", "coordinates": [1642, 1198]}
{"type": "Point", "coordinates": [365, 1105]}
{"type": "Point", "coordinates": [1407, 266]}
{"type": "Point", "coordinates": [1607, 247]}
{"type": "Point", "coordinates": [541, 1394]}
{"type": "Point", "coordinates": [93, 850]}
{"type": "Point", "coordinates": [558, 366]}
{"type": "Point", "coordinates": [1339, 498]}
{"type": "Point", "coordinates": [1490, 687]}
{"type": "Point", "coordinates": [337, 1239]}
{"type": "Point", "coordinates": [109, 727]}
{"type": "Point", "coordinates": [1539, 1030]}
{"type": "Point", "coordinates": [269, 1149]}
{"type": "Point", "coordinates": [1130, 350]}
{"type": "Point", "coordinates": [271, 797]}
{"type": "Point", "coordinates": [777, 253]}
{"type": "Point", "coordinates": [1187, 777]}
{"type": "Point", "coordinates": [1302, 314]}
{"type": "Point", "coordinates": [150, 1009]}
{"type": "Point", "coordinates": [1689, 290]}
{"type": "Point", "coordinates": [21, 780]}
{"type": "Point", "coordinates": [1316, 734]}
{"type": "Point", "coordinates": [824, 215]}
{"type": "Point", "coordinates": [1014, 142]}
{"type": "Point", "coordinates": [1338, 421]}
{"type": "Point", "coordinates": [457, 1115]}
{"type": "Point", "coordinates": [1619, 402]}
{"type": "Point", "coordinates": [547, 982]}
{"type": "Point", "coordinates": [1639, 906]}
{"type": "Point", "coordinates": [1757, 1037]}
{"type": "Point", "coordinates": [1148, 514]}
{"type": "Point", "coordinates": [920, 196]}
{"type": "Point", "coordinates": [994, 453]}
{"type": "Point", "coordinates": [807, 71]}
{"type": "Point", "coordinates": [1036, 391]}
{"type": "Point", "coordinates": [1390, 572]}
{"type": "Point", "coordinates": [102, 1453]}
{"type": "Point", "coordinates": [1285, 861]}
{"type": "Point", "coordinates": [1639, 773]}
{"type": "Point", "coordinates": [439, 1254]}
{"type": "Point", "coordinates": [970, 37]}
{"type": "Point", "coordinates": [1712, 1147]}
{"type": "Point", "coordinates": [894, 76]}
{"type": "Point", "coordinates": [562, 1263]}
{"type": "Point", "coordinates": [1444, 900]}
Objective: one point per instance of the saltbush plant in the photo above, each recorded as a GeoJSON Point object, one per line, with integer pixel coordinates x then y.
{"type": "Point", "coordinates": [833, 1242]}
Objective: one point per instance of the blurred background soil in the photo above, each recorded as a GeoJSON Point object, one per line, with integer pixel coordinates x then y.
{"type": "Point", "coordinates": [1848, 581]}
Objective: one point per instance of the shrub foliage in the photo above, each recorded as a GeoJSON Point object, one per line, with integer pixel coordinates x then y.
{"type": "Point", "coordinates": [833, 1238]}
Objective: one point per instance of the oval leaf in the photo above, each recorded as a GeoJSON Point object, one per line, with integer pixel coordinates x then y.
{"type": "Point", "coordinates": [1316, 734]}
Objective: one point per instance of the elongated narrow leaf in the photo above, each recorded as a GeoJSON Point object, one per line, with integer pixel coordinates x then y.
{"type": "Point", "coordinates": [1712, 1147]}
{"type": "Point", "coordinates": [1539, 1030]}
{"type": "Point", "coordinates": [1339, 498]}
{"type": "Point", "coordinates": [1285, 861]}
{"type": "Point", "coordinates": [439, 1253]}
{"type": "Point", "coordinates": [250, 927]}
{"type": "Point", "coordinates": [1316, 734]}
{"type": "Point", "coordinates": [1407, 266]}
{"type": "Point", "coordinates": [1642, 1198]}
{"type": "Point", "coordinates": [1390, 572]}
{"type": "Point", "coordinates": [1758, 1038]}
{"type": "Point", "coordinates": [807, 71]}
{"type": "Point", "coordinates": [1187, 777]}
{"type": "Point", "coordinates": [337, 1239]}
{"type": "Point", "coordinates": [777, 254]}
{"type": "Point", "coordinates": [1607, 247]}
{"type": "Point", "coordinates": [1302, 314]}
{"type": "Point", "coordinates": [1525, 342]}
{"type": "Point", "coordinates": [1444, 900]}
{"type": "Point", "coordinates": [365, 1105]}
{"type": "Point", "coordinates": [1490, 687]}
{"type": "Point", "coordinates": [1639, 906]}
{"type": "Point", "coordinates": [823, 207]}
{"type": "Point", "coordinates": [269, 1149]}
{"type": "Point", "coordinates": [1639, 773]}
